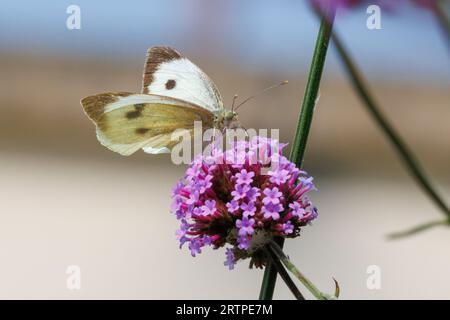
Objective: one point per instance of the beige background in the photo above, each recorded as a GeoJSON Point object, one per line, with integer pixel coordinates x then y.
{"type": "Point", "coordinates": [66, 200]}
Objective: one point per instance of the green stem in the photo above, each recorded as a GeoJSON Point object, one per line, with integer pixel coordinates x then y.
{"type": "Point", "coordinates": [305, 281]}
{"type": "Point", "coordinates": [411, 163]}
{"type": "Point", "coordinates": [283, 273]}
{"type": "Point", "coordinates": [311, 91]}
{"type": "Point", "coordinates": [442, 18]}
{"type": "Point", "coordinates": [304, 124]}
{"type": "Point", "coordinates": [270, 277]}
{"type": "Point", "coordinates": [418, 229]}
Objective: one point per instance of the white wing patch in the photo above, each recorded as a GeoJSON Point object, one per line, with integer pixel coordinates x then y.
{"type": "Point", "coordinates": [126, 149]}
{"type": "Point", "coordinates": [156, 150]}
{"type": "Point", "coordinates": [175, 76]}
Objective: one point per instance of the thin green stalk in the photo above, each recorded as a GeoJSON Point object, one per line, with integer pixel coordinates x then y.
{"type": "Point", "coordinates": [418, 229]}
{"type": "Point", "coordinates": [270, 277]}
{"type": "Point", "coordinates": [311, 92]}
{"type": "Point", "coordinates": [304, 124]}
{"type": "Point", "coordinates": [305, 281]}
{"type": "Point", "coordinates": [442, 18]}
{"type": "Point", "coordinates": [283, 273]}
{"type": "Point", "coordinates": [409, 160]}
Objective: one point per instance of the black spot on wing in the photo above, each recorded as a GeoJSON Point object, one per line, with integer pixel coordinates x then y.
{"type": "Point", "coordinates": [142, 131]}
{"type": "Point", "coordinates": [136, 113]}
{"type": "Point", "coordinates": [170, 84]}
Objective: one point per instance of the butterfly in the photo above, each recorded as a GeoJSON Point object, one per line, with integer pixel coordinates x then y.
{"type": "Point", "coordinates": [175, 94]}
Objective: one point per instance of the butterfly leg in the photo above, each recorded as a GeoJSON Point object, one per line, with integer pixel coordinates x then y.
{"type": "Point", "coordinates": [214, 137]}
{"type": "Point", "coordinates": [245, 130]}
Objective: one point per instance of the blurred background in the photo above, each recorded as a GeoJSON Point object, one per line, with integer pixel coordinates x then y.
{"type": "Point", "coordinates": [66, 200]}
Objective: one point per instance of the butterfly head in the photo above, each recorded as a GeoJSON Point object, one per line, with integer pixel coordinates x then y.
{"type": "Point", "coordinates": [230, 115]}
{"type": "Point", "coordinates": [228, 119]}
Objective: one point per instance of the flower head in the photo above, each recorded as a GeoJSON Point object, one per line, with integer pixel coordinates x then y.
{"type": "Point", "coordinates": [233, 203]}
{"type": "Point", "coordinates": [249, 209]}
{"type": "Point", "coordinates": [229, 262]}
{"type": "Point", "coordinates": [240, 191]}
{"type": "Point", "coordinates": [232, 206]}
{"type": "Point", "coordinates": [272, 196]}
{"type": "Point", "coordinates": [244, 177]}
{"type": "Point", "coordinates": [297, 209]}
{"type": "Point", "coordinates": [209, 207]}
{"type": "Point", "coordinates": [272, 211]}
{"type": "Point", "coordinates": [245, 226]}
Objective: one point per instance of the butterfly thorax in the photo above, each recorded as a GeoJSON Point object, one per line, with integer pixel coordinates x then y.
{"type": "Point", "coordinates": [227, 119]}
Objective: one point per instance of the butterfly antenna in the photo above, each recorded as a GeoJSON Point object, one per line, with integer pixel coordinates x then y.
{"type": "Point", "coordinates": [262, 91]}
{"type": "Point", "coordinates": [234, 100]}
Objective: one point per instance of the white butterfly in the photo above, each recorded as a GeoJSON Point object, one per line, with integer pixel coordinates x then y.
{"type": "Point", "coordinates": [175, 93]}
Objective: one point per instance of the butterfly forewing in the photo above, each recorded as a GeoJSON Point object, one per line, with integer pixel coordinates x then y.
{"type": "Point", "coordinates": [168, 73]}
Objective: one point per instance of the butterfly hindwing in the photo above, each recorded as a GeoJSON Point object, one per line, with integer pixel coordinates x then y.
{"type": "Point", "coordinates": [128, 122]}
{"type": "Point", "coordinates": [168, 73]}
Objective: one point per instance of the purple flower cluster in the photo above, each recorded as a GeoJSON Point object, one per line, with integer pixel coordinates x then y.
{"type": "Point", "coordinates": [242, 203]}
